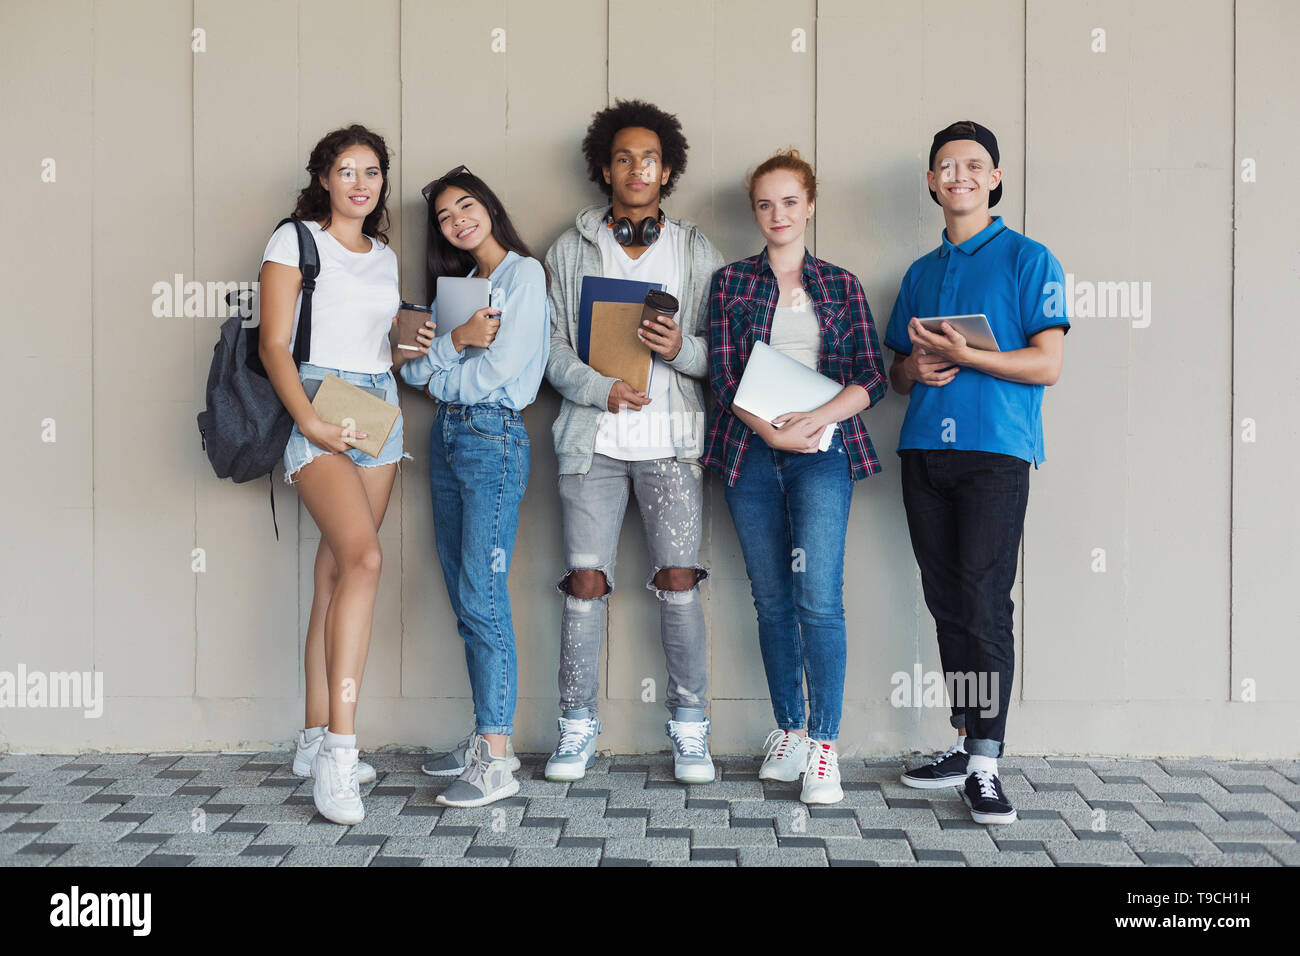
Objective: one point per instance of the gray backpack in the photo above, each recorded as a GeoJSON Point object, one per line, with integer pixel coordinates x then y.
{"type": "Point", "coordinates": [245, 427]}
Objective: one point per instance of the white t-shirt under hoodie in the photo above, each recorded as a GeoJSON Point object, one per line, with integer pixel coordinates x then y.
{"type": "Point", "coordinates": [354, 302]}
{"type": "Point", "coordinates": [644, 434]}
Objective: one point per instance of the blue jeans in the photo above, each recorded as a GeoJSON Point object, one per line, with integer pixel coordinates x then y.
{"type": "Point", "coordinates": [791, 512]}
{"type": "Point", "coordinates": [965, 515]}
{"type": "Point", "coordinates": [478, 470]}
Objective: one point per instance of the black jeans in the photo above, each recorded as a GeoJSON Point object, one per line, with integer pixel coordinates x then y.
{"type": "Point", "coordinates": [966, 514]}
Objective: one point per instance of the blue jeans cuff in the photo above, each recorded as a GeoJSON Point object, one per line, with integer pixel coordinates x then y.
{"type": "Point", "coordinates": [958, 721]}
{"type": "Point", "coordinates": [984, 747]}
{"type": "Point", "coordinates": [496, 729]}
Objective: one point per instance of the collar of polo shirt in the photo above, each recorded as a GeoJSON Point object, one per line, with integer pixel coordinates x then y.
{"type": "Point", "coordinates": [976, 242]}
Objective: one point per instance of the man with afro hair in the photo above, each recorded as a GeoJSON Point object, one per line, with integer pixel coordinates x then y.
{"type": "Point", "coordinates": [612, 440]}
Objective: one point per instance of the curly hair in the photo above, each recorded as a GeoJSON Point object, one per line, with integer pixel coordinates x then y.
{"type": "Point", "coordinates": [598, 144]}
{"type": "Point", "coordinates": [314, 202]}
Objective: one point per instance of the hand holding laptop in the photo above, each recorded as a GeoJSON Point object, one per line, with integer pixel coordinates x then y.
{"type": "Point", "coordinates": [799, 432]}
{"type": "Point", "coordinates": [480, 331]}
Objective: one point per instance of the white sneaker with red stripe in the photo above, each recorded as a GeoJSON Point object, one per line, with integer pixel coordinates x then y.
{"type": "Point", "coordinates": [821, 776]}
{"type": "Point", "coordinates": [787, 755]}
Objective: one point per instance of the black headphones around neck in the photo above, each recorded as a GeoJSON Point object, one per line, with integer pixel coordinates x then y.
{"type": "Point", "coordinates": [644, 233]}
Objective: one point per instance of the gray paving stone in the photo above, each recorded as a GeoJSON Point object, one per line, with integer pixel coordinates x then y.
{"type": "Point", "coordinates": [910, 820]}
{"type": "Point", "coordinates": [208, 844]}
{"type": "Point", "coordinates": [320, 833]}
{"type": "Point", "coordinates": [607, 827]}
{"type": "Point", "coordinates": [782, 856]}
{"type": "Point", "coordinates": [560, 856]}
{"type": "Point", "coordinates": [1110, 852]}
{"type": "Point", "coordinates": [1028, 858]}
{"type": "Point", "coordinates": [688, 818]}
{"type": "Point", "coordinates": [519, 836]}
{"type": "Point", "coordinates": [955, 840]}
{"type": "Point", "coordinates": [82, 831]}
{"type": "Point", "coordinates": [430, 846]}
{"type": "Point", "coordinates": [649, 848]}
{"type": "Point", "coordinates": [732, 837]}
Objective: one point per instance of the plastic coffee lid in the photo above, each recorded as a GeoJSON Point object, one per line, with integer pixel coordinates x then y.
{"type": "Point", "coordinates": [662, 302]}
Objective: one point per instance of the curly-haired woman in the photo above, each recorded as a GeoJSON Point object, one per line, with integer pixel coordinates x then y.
{"type": "Point", "coordinates": [345, 490]}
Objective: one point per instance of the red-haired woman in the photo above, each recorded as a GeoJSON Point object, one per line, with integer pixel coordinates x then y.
{"type": "Point", "coordinates": [789, 500]}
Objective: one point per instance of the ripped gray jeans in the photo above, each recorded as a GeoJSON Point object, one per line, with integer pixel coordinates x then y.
{"type": "Point", "coordinates": [670, 495]}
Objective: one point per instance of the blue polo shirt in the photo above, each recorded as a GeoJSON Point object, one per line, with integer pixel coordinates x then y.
{"type": "Point", "coordinates": [1007, 277]}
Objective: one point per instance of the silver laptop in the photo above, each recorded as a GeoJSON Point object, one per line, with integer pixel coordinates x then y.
{"type": "Point", "coordinates": [458, 299]}
{"type": "Point", "coordinates": [974, 328]}
{"type": "Point", "coordinates": [773, 383]}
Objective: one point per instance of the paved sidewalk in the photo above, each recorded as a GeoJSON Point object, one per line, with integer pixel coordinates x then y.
{"type": "Point", "coordinates": [247, 809]}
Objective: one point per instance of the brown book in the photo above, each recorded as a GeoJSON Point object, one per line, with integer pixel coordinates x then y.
{"type": "Point", "coordinates": [615, 349]}
{"type": "Point", "coordinates": [342, 403]}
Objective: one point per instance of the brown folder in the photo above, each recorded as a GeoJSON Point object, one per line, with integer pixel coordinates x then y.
{"type": "Point", "coordinates": [342, 403]}
{"type": "Point", "coordinates": [615, 349]}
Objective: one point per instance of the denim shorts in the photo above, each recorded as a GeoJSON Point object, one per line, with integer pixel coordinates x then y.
{"type": "Point", "coordinates": [299, 451]}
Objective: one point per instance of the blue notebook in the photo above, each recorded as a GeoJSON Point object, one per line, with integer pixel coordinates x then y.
{"type": "Point", "coordinates": [601, 289]}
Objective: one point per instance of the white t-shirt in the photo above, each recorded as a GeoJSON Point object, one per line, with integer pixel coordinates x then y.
{"type": "Point", "coordinates": [645, 434]}
{"type": "Point", "coordinates": [354, 302]}
{"type": "Point", "coordinates": [797, 333]}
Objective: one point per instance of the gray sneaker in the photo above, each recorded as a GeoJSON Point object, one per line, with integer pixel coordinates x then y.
{"type": "Point", "coordinates": [577, 748]}
{"type": "Point", "coordinates": [689, 733]}
{"type": "Point", "coordinates": [485, 780]}
{"type": "Point", "coordinates": [452, 763]}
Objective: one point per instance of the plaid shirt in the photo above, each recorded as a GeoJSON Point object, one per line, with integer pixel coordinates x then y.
{"type": "Point", "coordinates": [742, 302]}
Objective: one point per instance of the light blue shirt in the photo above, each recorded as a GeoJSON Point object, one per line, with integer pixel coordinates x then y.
{"type": "Point", "coordinates": [510, 372]}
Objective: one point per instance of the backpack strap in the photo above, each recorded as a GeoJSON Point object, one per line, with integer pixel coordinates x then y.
{"type": "Point", "coordinates": [309, 266]}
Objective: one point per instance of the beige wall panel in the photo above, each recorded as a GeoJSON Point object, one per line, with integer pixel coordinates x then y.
{"type": "Point", "coordinates": [1180, 465]}
{"type": "Point", "coordinates": [547, 111]}
{"type": "Point", "coordinates": [876, 217]}
{"type": "Point", "coordinates": [144, 465]}
{"type": "Point", "coordinates": [245, 93]}
{"type": "Point", "coordinates": [1078, 106]}
{"type": "Point", "coordinates": [46, 579]}
{"type": "Point", "coordinates": [453, 111]}
{"type": "Point", "coordinates": [1266, 514]}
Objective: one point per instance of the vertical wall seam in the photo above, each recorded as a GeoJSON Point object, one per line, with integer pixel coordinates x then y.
{"type": "Point", "coordinates": [1024, 225]}
{"type": "Point", "coordinates": [194, 189]}
{"type": "Point", "coordinates": [1232, 367]}
{"type": "Point", "coordinates": [93, 349]}
{"type": "Point", "coordinates": [401, 495]}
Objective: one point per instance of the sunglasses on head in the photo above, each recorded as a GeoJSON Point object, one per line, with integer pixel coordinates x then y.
{"type": "Point", "coordinates": [431, 190]}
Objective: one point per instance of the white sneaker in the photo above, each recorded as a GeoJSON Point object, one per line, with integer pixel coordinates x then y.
{"type": "Point", "coordinates": [821, 778]}
{"type": "Point", "coordinates": [691, 760]}
{"type": "Point", "coordinates": [576, 750]}
{"type": "Point", "coordinates": [305, 756]}
{"type": "Point", "coordinates": [335, 790]}
{"type": "Point", "coordinates": [787, 756]}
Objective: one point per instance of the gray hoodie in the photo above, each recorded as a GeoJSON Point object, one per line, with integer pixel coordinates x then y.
{"type": "Point", "coordinates": [585, 391]}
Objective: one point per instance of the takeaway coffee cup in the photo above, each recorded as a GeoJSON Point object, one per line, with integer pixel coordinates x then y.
{"type": "Point", "coordinates": [658, 304]}
{"type": "Point", "coordinates": [410, 319]}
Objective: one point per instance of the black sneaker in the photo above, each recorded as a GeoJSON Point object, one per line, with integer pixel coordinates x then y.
{"type": "Point", "coordinates": [988, 804]}
{"type": "Point", "coordinates": [947, 771]}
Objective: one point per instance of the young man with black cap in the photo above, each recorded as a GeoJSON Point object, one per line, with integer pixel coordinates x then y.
{"type": "Point", "coordinates": [972, 428]}
{"type": "Point", "coordinates": [612, 440]}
